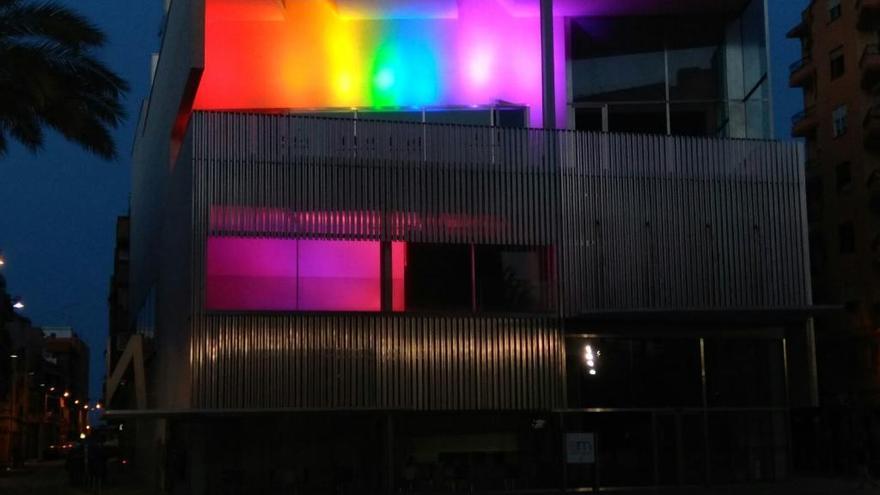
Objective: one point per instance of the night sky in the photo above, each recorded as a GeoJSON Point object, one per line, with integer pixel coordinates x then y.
{"type": "Point", "coordinates": [58, 208]}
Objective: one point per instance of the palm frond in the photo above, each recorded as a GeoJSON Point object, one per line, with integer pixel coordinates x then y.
{"type": "Point", "coordinates": [48, 20]}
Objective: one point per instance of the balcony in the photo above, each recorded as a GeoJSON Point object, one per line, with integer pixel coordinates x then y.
{"type": "Point", "coordinates": [804, 123]}
{"type": "Point", "coordinates": [871, 125]}
{"type": "Point", "coordinates": [802, 30]}
{"type": "Point", "coordinates": [870, 66]}
{"type": "Point", "coordinates": [801, 73]}
{"type": "Point", "coordinates": [868, 14]}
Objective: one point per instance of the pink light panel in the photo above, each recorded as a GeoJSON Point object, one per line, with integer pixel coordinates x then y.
{"type": "Point", "coordinates": [259, 274]}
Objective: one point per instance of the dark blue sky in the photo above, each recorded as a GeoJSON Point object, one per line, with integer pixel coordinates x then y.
{"type": "Point", "coordinates": [58, 208]}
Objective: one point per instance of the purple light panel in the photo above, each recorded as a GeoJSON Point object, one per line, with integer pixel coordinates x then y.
{"type": "Point", "coordinates": [251, 274]}
{"type": "Point", "coordinates": [245, 274]}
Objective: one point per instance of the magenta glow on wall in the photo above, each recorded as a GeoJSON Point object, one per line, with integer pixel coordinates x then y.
{"type": "Point", "coordinates": [251, 274]}
{"type": "Point", "coordinates": [260, 274]}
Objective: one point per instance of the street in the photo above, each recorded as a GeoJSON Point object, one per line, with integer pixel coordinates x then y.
{"type": "Point", "coordinates": [51, 478]}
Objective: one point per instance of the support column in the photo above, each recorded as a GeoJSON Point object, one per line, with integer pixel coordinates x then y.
{"type": "Point", "coordinates": [389, 454]}
{"type": "Point", "coordinates": [548, 72]}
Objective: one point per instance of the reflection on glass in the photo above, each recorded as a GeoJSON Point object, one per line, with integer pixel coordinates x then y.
{"type": "Point", "coordinates": [703, 67]}
{"type": "Point", "coordinates": [644, 118]}
{"type": "Point", "coordinates": [618, 59]}
{"type": "Point", "coordinates": [696, 119]}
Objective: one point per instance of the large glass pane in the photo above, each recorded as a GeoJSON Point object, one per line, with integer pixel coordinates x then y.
{"type": "Point", "coordinates": [697, 118]}
{"type": "Point", "coordinates": [696, 59]}
{"type": "Point", "coordinates": [745, 372]}
{"type": "Point", "coordinates": [617, 372]}
{"type": "Point", "coordinates": [251, 274]}
{"type": "Point", "coordinates": [339, 275]}
{"type": "Point", "coordinates": [512, 278]}
{"type": "Point", "coordinates": [637, 118]}
{"type": "Point", "coordinates": [589, 119]}
{"type": "Point", "coordinates": [618, 59]}
{"type": "Point", "coordinates": [438, 277]}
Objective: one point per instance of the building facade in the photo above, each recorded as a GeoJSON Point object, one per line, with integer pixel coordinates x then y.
{"type": "Point", "coordinates": [44, 381]}
{"type": "Point", "coordinates": [459, 245]}
{"type": "Point", "coordinates": [839, 72]}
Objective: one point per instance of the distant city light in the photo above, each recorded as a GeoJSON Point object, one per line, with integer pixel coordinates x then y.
{"type": "Point", "coordinates": [18, 304]}
{"type": "Point", "coordinates": [86, 407]}
{"type": "Point", "coordinates": [13, 356]}
{"type": "Point", "coordinates": [98, 405]}
{"type": "Point", "coordinates": [66, 394]}
{"type": "Point", "coordinates": [82, 436]}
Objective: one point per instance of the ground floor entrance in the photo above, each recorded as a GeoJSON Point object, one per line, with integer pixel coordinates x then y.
{"type": "Point", "coordinates": [336, 452]}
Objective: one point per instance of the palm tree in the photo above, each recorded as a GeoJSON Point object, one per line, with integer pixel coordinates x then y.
{"type": "Point", "coordinates": [49, 77]}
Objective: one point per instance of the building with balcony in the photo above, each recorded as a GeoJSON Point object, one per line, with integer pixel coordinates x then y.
{"type": "Point", "coordinates": [461, 245]}
{"type": "Point", "coordinates": [841, 143]}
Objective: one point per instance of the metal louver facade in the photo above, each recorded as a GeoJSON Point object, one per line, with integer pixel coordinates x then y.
{"type": "Point", "coordinates": [635, 222]}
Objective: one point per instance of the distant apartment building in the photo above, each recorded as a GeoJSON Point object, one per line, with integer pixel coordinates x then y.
{"type": "Point", "coordinates": [840, 76]}
{"type": "Point", "coordinates": [43, 385]}
{"type": "Point", "coordinates": [465, 245]}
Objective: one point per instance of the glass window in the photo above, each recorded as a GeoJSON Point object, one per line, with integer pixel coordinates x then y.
{"type": "Point", "coordinates": [696, 119]}
{"type": "Point", "coordinates": [259, 274]}
{"type": "Point", "coordinates": [637, 118]}
{"type": "Point", "coordinates": [696, 60]}
{"type": "Point", "coordinates": [438, 277]}
{"type": "Point", "coordinates": [843, 174]}
{"type": "Point", "coordinates": [251, 274]}
{"type": "Point", "coordinates": [744, 372]}
{"type": "Point", "coordinates": [834, 9]}
{"type": "Point", "coordinates": [513, 279]}
{"type": "Point", "coordinates": [618, 59]}
{"type": "Point", "coordinates": [839, 123]}
{"type": "Point", "coordinates": [677, 74]}
{"type": "Point", "coordinates": [838, 66]}
{"type": "Point", "coordinates": [846, 238]}
{"type": "Point", "coordinates": [638, 372]}
{"type": "Point", "coordinates": [337, 275]}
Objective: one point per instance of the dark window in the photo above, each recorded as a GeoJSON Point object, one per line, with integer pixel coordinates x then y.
{"type": "Point", "coordinates": [846, 238]}
{"type": "Point", "coordinates": [838, 65]}
{"type": "Point", "coordinates": [512, 278]}
{"type": "Point", "coordinates": [640, 118]}
{"type": "Point", "coordinates": [438, 277]}
{"type": "Point", "coordinates": [843, 174]}
{"type": "Point", "coordinates": [834, 10]}
{"type": "Point", "coordinates": [839, 121]}
{"type": "Point", "coordinates": [638, 372]}
{"type": "Point", "coordinates": [744, 372]}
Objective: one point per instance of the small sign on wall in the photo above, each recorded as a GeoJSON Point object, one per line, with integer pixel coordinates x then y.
{"type": "Point", "coordinates": [580, 448]}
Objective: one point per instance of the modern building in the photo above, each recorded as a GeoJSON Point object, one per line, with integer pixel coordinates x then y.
{"type": "Point", "coordinates": [465, 245]}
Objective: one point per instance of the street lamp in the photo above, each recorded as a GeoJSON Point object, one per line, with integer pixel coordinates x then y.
{"type": "Point", "coordinates": [16, 303]}
{"type": "Point", "coordinates": [2, 259]}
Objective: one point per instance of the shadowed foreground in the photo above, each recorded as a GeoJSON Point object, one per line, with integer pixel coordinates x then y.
{"type": "Point", "coordinates": [51, 478]}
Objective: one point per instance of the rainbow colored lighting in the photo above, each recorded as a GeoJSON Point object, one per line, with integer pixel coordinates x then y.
{"type": "Point", "coordinates": [312, 54]}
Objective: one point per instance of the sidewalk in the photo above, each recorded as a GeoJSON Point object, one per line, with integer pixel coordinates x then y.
{"type": "Point", "coordinates": [51, 479]}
